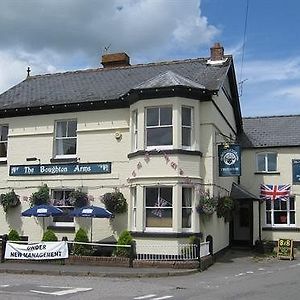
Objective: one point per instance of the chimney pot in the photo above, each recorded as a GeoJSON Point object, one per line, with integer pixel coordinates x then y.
{"type": "Point", "coordinates": [115, 60]}
{"type": "Point", "coordinates": [216, 52]}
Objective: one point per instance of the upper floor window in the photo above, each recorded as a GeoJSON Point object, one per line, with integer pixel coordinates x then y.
{"type": "Point", "coordinates": [61, 200]}
{"type": "Point", "coordinates": [186, 126]}
{"type": "Point", "coordinates": [159, 127]}
{"type": "Point", "coordinates": [65, 138]}
{"type": "Point", "coordinates": [3, 141]}
{"type": "Point", "coordinates": [159, 207]}
{"type": "Point", "coordinates": [266, 162]}
{"type": "Point", "coordinates": [280, 212]}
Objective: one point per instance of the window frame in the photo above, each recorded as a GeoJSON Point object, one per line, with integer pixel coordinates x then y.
{"type": "Point", "coordinates": [192, 208]}
{"type": "Point", "coordinates": [266, 163]}
{"type": "Point", "coordinates": [288, 211]}
{"type": "Point", "coordinates": [158, 229]}
{"type": "Point", "coordinates": [5, 142]}
{"type": "Point", "coordinates": [151, 147]}
{"type": "Point", "coordinates": [191, 127]}
{"type": "Point", "coordinates": [60, 223]}
{"type": "Point", "coordinates": [135, 132]}
{"type": "Point", "coordinates": [134, 208]}
{"type": "Point", "coordinates": [64, 138]}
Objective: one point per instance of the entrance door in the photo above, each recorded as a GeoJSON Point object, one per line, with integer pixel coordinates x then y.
{"type": "Point", "coordinates": [242, 223]}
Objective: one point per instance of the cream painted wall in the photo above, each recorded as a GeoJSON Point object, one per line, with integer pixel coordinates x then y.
{"type": "Point", "coordinates": [252, 180]}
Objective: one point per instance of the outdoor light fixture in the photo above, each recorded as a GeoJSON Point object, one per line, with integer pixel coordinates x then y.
{"type": "Point", "coordinates": [33, 159]}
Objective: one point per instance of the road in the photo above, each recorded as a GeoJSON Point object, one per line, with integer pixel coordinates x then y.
{"type": "Point", "coordinates": [232, 278]}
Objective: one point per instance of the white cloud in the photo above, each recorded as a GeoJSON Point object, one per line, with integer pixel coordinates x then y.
{"type": "Point", "coordinates": [72, 34]}
{"type": "Point", "coordinates": [268, 70]}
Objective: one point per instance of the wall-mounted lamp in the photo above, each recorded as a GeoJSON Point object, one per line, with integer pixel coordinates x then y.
{"type": "Point", "coordinates": [33, 159]}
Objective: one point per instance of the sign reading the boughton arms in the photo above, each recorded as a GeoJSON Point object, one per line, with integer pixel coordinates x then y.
{"type": "Point", "coordinates": [60, 169]}
{"type": "Point", "coordinates": [229, 160]}
{"type": "Point", "coordinates": [296, 171]}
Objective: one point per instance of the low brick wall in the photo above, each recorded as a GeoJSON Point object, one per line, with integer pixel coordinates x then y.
{"type": "Point", "coordinates": [166, 264]}
{"type": "Point", "coordinates": [98, 261]}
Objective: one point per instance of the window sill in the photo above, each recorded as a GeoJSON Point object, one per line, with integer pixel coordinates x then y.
{"type": "Point", "coordinates": [282, 228]}
{"type": "Point", "coordinates": [3, 161]}
{"type": "Point", "coordinates": [165, 234]}
{"type": "Point", "coordinates": [161, 152]}
{"type": "Point", "coordinates": [64, 160]}
{"type": "Point", "coordinates": [62, 228]}
{"type": "Point", "coordinates": [267, 173]}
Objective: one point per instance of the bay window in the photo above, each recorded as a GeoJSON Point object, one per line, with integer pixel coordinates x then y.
{"type": "Point", "coordinates": [65, 138]}
{"type": "Point", "coordinates": [159, 207]}
{"type": "Point", "coordinates": [159, 126]}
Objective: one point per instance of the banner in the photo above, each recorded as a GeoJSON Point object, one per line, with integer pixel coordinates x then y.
{"type": "Point", "coordinates": [229, 160]}
{"type": "Point", "coordinates": [37, 251]}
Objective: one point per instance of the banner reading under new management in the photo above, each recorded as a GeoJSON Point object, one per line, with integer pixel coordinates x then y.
{"type": "Point", "coordinates": [37, 251]}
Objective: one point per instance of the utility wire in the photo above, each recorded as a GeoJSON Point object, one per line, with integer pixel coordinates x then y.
{"type": "Point", "coordinates": [243, 50]}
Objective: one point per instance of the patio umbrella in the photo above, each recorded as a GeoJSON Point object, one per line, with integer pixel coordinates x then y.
{"type": "Point", "coordinates": [91, 212]}
{"type": "Point", "coordinates": [43, 211]}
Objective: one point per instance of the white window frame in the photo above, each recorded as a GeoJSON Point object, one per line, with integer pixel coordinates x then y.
{"type": "Point", "coordinates": [191, 127]}
{"type": "Point", "coordinates": [266, 169]}
{"type": "Point", "coordinates": [134, 208]}
{"type": "Point", "coordinates": [288, 210]}
{"type": "Point", "coordinates": [192, 207]}
{"type": "Point", "coordinates": [158, 229]}
{"type": "Point", "coordinates": [5, 142]}
{"type": "Point", "coordinates": [62, 224]}
{"type": "Point", "coordinates": [63, 138]}
{"type": "Point", "coordinates": [135, 130]}
{"type": "Point", "coordinates": [158, 126]}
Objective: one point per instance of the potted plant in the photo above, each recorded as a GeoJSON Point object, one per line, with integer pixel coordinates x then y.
{"type": "Point", "coordinates": [207, 204]}
{"type": "Point", "coordinates": [42, 196]}
{"type": "Point", "coordinates": [115, 202]}
{"type": "Point", "coordinates": [225, 207]}
{"type": "Point", "coordinates": [9, 200]}
{"type": "Point", "coordinates": [78, 198]}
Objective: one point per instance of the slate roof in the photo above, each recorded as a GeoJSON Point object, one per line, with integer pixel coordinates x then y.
{"type": "Point", "coordinates": [104, 84]}
{"type": "Point", "coordinates": [273, 131]}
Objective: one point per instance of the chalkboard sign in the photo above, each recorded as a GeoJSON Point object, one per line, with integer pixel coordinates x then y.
{"type": "Point", "coordinates": [285, 249]}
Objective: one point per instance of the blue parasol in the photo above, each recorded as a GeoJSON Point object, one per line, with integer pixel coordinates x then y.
{"type": "Point", "coordinates": [91, 212]}
{"type": "Point", "coordinates": [43, 211]}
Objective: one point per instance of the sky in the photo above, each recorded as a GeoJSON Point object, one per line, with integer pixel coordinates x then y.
{"type": "Point", "coordinates": [62, 35]}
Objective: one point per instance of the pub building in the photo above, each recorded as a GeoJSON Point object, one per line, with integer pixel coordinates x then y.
{"type": "Point", "coordinates": [165, 135]}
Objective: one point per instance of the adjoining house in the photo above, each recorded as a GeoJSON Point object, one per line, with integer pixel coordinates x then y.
{"type": "Point", "coordinates": [151, 131]}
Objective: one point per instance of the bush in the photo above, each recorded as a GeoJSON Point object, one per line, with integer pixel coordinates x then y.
{"type": "Point", "coordinates": [81, 237]}
{"type": "Point", "coordinates": [13, 235]}
{"type": "Point", "coordinates": [49, 236]}
{"type": "Point", "coordinates": [40, 197]}
{"type": "Point", "coordinates": [78, 198]}
{"type": "Point", "coordinates": [9, 200]}
{"type": "Point", "coordinates": [115, 202]}
{"type": "Point", "coordinates": [125, 238]}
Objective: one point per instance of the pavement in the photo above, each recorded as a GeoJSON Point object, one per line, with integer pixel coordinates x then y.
{"type": "Point", "coordinates": [237, 257]}
{"type": "Point", "coordinates": [40, 268]}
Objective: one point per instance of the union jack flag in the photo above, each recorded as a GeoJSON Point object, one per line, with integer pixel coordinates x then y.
{"type": "Point", "coordinates": [159, 204]}
{"type": "Point", "coordinates": [273, 192]}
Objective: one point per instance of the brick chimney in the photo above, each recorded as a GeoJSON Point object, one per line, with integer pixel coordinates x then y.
{"type": "Point", "coordinates": [115, 60]}
{"type": "Point", "coordinates": [216, 52]}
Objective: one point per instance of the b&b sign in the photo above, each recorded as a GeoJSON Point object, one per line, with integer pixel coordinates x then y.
{"type": "Point", "coordinates": [285, 249]}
